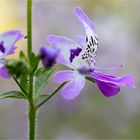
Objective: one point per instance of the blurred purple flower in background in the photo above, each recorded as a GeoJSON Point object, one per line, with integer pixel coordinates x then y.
{"type": "Point", "coordinates": [7, 47]}
{"type": "Point", "coordinates": [81, 59]}
{"type": "Point", "coordinates": [48, 56]}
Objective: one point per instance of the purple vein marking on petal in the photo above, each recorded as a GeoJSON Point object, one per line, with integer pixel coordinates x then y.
{"type": "Point", "coordinates": [73, 53]}
{"type": "Point", "coordinates": [2, 49]}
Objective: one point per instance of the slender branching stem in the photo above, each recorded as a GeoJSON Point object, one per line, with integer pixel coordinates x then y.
{"type": "Point", "coordinates": [50, 96]}
{"type": "Point", "coordinates": [22, 89]}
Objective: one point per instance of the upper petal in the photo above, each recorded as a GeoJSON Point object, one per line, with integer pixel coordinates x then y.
{"type": "Point", "coordinates": [70, 52]}
{"type": "Point", "coordinates": [91, 38]}
{"type": "Point", "coordinates": [9, 39]}
{"type": "Point", "coordinates": [73, 88]}
{"type": "Point", "coordinates": [81, 39]}
{"type": "Point", "coordinates": [108, 89]}
{"type": "Point", "coordinates": [85, 21]}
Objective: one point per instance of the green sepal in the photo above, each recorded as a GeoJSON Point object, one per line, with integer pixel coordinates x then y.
{"type": "Point", "coordinates": [90, 79]}
{"type": "Point", "coordinates": [41, 81]}
{"type": "Point", "coordinates": [16, 68]}
{"type": "Point", "coordinates": [13, 94]}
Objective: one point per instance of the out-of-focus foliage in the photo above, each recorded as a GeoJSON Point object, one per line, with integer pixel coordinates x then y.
{"type": "Point", "coordinates": [90, 115]}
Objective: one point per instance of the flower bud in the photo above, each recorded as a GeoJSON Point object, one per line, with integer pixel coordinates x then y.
{"type": "Point", "coordinates": [48, 56]}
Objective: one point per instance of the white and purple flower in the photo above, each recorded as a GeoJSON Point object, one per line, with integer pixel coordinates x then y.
{"type": "Point", "coordinates": [81, 59]}
{"type": "Point", "coordinates": [7, 47]}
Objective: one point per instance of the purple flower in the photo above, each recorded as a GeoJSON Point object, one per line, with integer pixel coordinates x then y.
{"type": "Point", "coordinates": [81, 59]}
{"type": "Point", "coordinates": [7, 47]}
{"type": "Point", "coordinates": [48, 56]}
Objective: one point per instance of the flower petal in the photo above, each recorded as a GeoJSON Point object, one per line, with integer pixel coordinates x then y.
{"type": "Point", "coordinates": [81, 40]}
{"type": "Point", "coordinates": [4, 72]}
{"type": "Point", "coordinates": [91, 38]}
{"type": "Point", "coordinates": [62, 76]}
{"type": "Point", "coordinates": [73, 88]}
{"type": "Point", "coordinates": [126, 80]}
{"type": "Point", "coordinates": [9, 39]}
{"type": "Point", "coordinates": [114, 68]}
{"type": "Point", "coordinates": [70, 52]}
{"type": "Point", "coordinates": [108, 89]}
{"type": "Point", "coordinates": [85, 21]}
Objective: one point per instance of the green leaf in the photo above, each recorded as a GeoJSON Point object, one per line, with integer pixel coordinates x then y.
{"type": "Point", "coordinates": [39, 71]}
{"type": "Point", "coordinates": [41, 81]}
{"type": "Point", "coordinates": [13, 94]}
{"type": "Point", "coordinates": [23, 57]}
{"type": "Point", "coordinates": [24, 82]}
{"type": "Point", "coordinates": [34, 61]}
{"type": "Point", "coordinates": [43, 96]}
{"type": "Point", "coordinates": [25, 74]}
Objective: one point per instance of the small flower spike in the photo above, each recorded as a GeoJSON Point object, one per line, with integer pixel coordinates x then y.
{"type": "Point", "coordinates": [81, 59]}
{"type": "Point", "coordinates": [7, 47]}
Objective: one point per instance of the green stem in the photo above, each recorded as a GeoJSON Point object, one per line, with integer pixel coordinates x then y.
{"type": "Point", "coordinates": [29, 27]}
{"type": "Point", "coordinates": [32, 109]}
{"type": "Point", "coordinates": [50, 96]}
{"type": "Point", "coordinates": [32, 120]}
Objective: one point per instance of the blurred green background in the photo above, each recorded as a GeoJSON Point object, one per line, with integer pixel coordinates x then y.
{"type": "Point", "coordinates": [90, 115]}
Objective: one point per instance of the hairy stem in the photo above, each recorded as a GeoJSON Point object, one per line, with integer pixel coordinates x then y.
{"type": "Point", "coordinates": [29, 27]}
{"type": "Point", "coordinates": [32, 120]}
{"type": "Point", "coordinates": [32, 109]}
